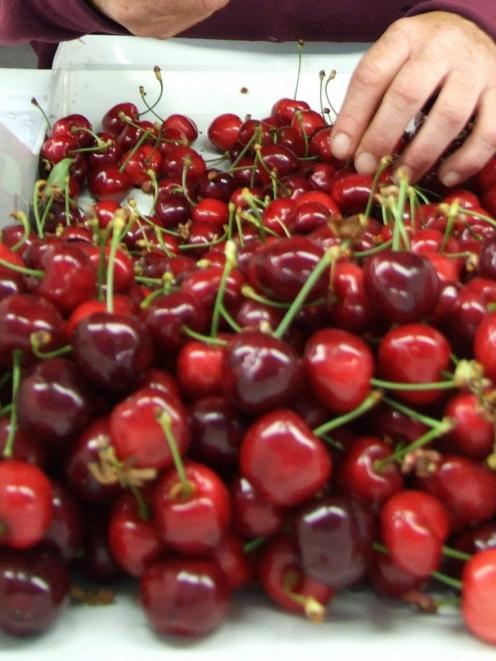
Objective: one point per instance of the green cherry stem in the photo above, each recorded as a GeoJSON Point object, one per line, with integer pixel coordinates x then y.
{"type": "Point", "coordinates": [216, 341]}
{"type": "Point", "coordinates": [398, 455]}
{"type": "Point", "coordinates": [16, 381]}
{"type": "Point", "coordinates": [165, 421]}
{"type": "Point", "coordinates": [411, 413]}
{"type": "Point", "coordinates": [149, 108]}
{"type": "Point", "coordinates": [32, 273]}
{"type": "Point", "coordinates": [413, 387]}
{"type": "Point", "coordinates": [118, 224]}
{"type": "Point", "coordinates": [443, 578]}
{"type": "Point", "coordinates": [383, 165]}
{"type": "Point", "coordinates": [41, 338]}
{"type": "Point", "coordinates": [368, 403]}
{"type": "Point", "coordinates": [230, 253]}
{"type": "Point", "coordinates": [325, 261]}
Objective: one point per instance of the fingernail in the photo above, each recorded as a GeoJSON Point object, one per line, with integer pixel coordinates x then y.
{"type": "Point", "coordinates": [341, 145]}
{"type": "Point", "coordinates": [366, 163]}
{"type": "Point", "coordinates": [451, 179]}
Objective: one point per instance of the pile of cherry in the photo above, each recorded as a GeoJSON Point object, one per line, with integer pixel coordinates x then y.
{"type": "Point", "coordinates": [282, 374]}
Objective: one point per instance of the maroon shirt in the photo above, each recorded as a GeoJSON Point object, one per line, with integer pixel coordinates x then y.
{"type": "Point", "coordinates": [46, 22]}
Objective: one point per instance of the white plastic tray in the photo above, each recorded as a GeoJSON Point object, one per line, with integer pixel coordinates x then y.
{"type": "Point", "coordinates": [202, 83]}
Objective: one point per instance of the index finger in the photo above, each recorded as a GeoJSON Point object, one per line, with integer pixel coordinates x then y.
{"type": "Point", "coordinates": [370, 80]}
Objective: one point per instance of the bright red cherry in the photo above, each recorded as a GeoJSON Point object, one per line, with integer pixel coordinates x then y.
{"type": "Point", "coordinates": [478, 588]}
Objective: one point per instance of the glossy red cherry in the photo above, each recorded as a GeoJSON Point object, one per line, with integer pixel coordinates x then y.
{"type": "Point", "coordinates": [65, 534]}
{"type": "Point", "coordinates": [339, 366]}
{"type": "Point", "coordinates": [478, 585]}
{"type": "Point", "coordinates": [403, 286]}
{"type": "Point", "coordinates": [223, 131]}
{"type": "Point", "coordinates": [253, 515]}
{"type": "Point", "coordinates": [185, 597]}
{"type": "Point", "coordinates": [136, 433]}
{"type": "Point", "coordinates": [109, 183]}
{"type": "Point", "coordinates": [283, 459]}
{"type": "Point", "coordinates": [217, 431]}
{"type": "Point", "coordinates": [414, 353]}
{"type": "Point", "coordinates": [34, 591]}
{"type": "Point", "coordinates": [191, 520]}
{"type": "Point", "coordinates": [414, 527]}
{"type": "Point", "coordinates": [114, 118]}
{"type": "Point", "coordinates": [473, 431]}
{"type": "Point", "coordinates": [25, 504]}
{"type": "Point", "coordinates": [284, 581]}
{"type": "Point", "coordinates": [334, 537]}
{"type": "Point", "coordinates": [231, 557]}
{"type": "Point", "coordinates": [389, 580]}
{"type": "Point", "coordinates": [133, 540]}
{"type": "Point", "coordinates": [485, 343]}
{"type": "Point", "coordinates": [260, 372]}
{"type": "Point", "coordinates": [112, 350]}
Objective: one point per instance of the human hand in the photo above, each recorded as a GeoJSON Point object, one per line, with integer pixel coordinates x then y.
{"type": "Point", "coordinates": [437, 52]}
{"type": "Point", "coordinates": [158, 18]}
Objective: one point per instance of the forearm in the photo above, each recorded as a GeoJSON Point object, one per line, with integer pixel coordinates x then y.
{"type": "Point", "coordinates": [481, 12]}
{"type": "Point", "coordinates": [51, 20]}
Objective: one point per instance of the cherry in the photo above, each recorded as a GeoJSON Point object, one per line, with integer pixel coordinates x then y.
{"type": "Point", "coordinates": [108, 182]}
{"type": "Point", "coordinates": [478, 585]}
{"type": "Point", "coordinates": [389, 580]}
{"type": "Point", "coordinates": [191, 517]}
{"type": "Point", "coordinates": [185, 125]}
{"type": "Point", "coordinates": [231, 557]}
{"type": "Point", "coordinates": [110, 154]}
{"type": "Point", "coordinates": [484, 343]}
{"type": "Point", "coordinates": [136, 433]}
{"type": "Point", "coordinates": [473, 431]}
{"type": "Point", "coordinates": [223, 132]}
{"type": "Point", "coordinates": [350, 307]}
{"type": "Point", "coordinates": [65, 533]}
{"type": "Point", "coordinates": [22, 316]}
{"type": "Point", "coordinates": [217, 431]}
{"type": "Point", "coordinates": [184, 158]}
{"type": "Point", "coordinates": [34, 591]}
{"type": "Point", "coordinates": [73, 126]}
{"type": "Point", "coordinates": [114, 118]}
{"type": "Point", "coordinates": [131, 136]}
{"type": "Point", "coordinates": [260, 372]}
{"type": "Point", "coordinates": [334, 537]}
{"type": "Point", "coordinates": [24, 448]}
{"type": "Point", "coordinates": [203, 285]}
{"type": "Point", "coordinates": [112, 350]}
{"type": "Point", "coordinates": [253, 315]}
{"type": "Point", "coordinates": [166, 317]}
{"type": "Point", "coordinates": [414, 527]}
{"type": "Point", "coordinates": [351, 192]}
{"type": "Point", "coordinates": [281, 268]}
{"type": "Point", "coordinates": [54, 150]}
{"type": "Point", "coordinates": [466, 488]}
{"type": "Point", "coordinates": [414, 353]}
{"type": "Point", "coordinates": [285, 108]}
{"type": "Point", "coordinates": [98, 563]}
{"type": "Point", "coordinates": [159, 379]}
{"type": "Point", "coordinates": [84, 454]}
{"type": "Point", "coordinates": [122, 306]}
{"type": "Point", "coordinates": [403, 286]}
{"type": "Point", "coordinates": [211, 210]}
{"type": "Point", "coordinates": [185, 597]}
{"type": "Point", "coordinates": [359, 477]}
{"type": "Point", "coordinates": [284, 581]}
{"type": "Point", "coordinates": [199, 368]}
{"type": "Point", "coordinates": [138, 163]}
{"type": "Point", "coordinates": [307, 122]}
{"type": "Point", "coordinates": [283, 459]}
{"type": "Point", "coordinates": [215, 184]}
{"type": "Point", "coordinates": [133, 540]}
{"type": "Point", "coordinates": [254, 516]}
{"type": "Point", "coordinates": [25, 504]}
{"type": "Point", "coordinates": [339, 367]}
{"type": "Point", "coordinates": [56, 386]}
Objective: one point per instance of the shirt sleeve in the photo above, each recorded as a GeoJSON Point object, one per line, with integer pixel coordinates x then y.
{"type": "Point", "coordinates": [481, 12]}
{"type": "Point", "coordinates": [51, 21]}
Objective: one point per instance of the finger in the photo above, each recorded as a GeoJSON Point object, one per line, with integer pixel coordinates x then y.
{"type": "Point", "coordinates": [407, 94]}
{"type": "Point", "coordinates": [478, 148]}
{"type": "Point", "coordinates": [448, 117]}
{"type": "Point", "coordinates": [371, 78]}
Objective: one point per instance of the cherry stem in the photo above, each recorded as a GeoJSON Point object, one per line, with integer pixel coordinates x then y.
{"type": "Point", "coordinates": [16, 381]}
{"type": "Point", "coordinates": [383, 165]}
{"type": "Point", "coordinates": [216, 341]}
{"type": "Point", "coordinates": [21, 217]}
{"type": "Point", "coordinates": [36, 209]}
{"type": "Point", "coordinates": [413, 387]}
{"type": "Point", "coordinates": [232, 322]}
{"type": "Point", "coordinates": [411, 413]}
{"type": "Point", "coordinates": [441, 428]}
{"type": "Point", "coordinates": [249, 292]}
{"type": "Point", "coordinates": [257, 134]}
{"type": "Point", "coordinates": [324, 263]}
{"type": "Point", "coordinates": [451, 215]}
{"type": "Point", "coordinates": [33, 273]}
{"type": "Point", "coordinates": [330, 78]}
{"type": "Point", "coordinates": [158, 76]}
{"type": "Point", "coordinates": [253, 544]}
{"type": "Point", "coordinates": [302, 128]}
{"type": "Point", "coordinates": [117, 227]}
{"type": "Point", "coordinates": [314, 610]}
{"type": "Point", "coordinates": [215, 242]}
{"type": "Point", "coordinates": [299, 49]}
{"type": "Point", "coordinates": [184, 180]}
{"type": "Point", "coordinates": [133, 151]}
{"type": "Point", "coordinates": [143, 511]}
{"type": "Point", "coordinates": [368, 403]}
{"type": "Point", "coordinates": [36, 104]}
{"type": "Point", "coordinates": [165, 421]}
{"type": "Point", "coordinates": [398, 211]}
{"type": "Point", "coordinates": [375, 250]}
{"type": "Point", "coordinates": [5, 410]}
{"type": "Point", "coordinates": [450, 552]}
{"type": "Point", "coordinates": [40, 339]}
{"type": "Point", "coordinates": [447, 580]}
{"type": "Point", "coordinates": [230, 253]}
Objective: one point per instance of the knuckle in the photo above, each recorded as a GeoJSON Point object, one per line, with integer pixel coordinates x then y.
{"type": "Point", "coordinates": [451, 115]}
{"type": "Point", "coordinates": [368, 74]}
{"type": "Point", "coordinates": [404, 93]}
